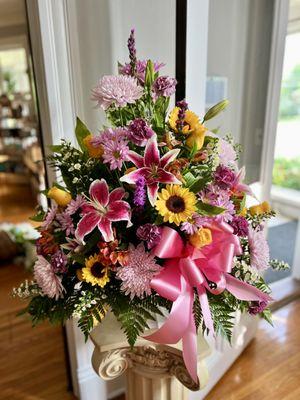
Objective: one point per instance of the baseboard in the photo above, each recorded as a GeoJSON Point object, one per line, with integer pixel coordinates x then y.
{"type": "Point", "coordinates": [286, 290]}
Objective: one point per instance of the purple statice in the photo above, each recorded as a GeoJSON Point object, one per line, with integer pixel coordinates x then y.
{"type": "Point", "coordinates": [149, 233]}
{"type": "Point", "coordinates": [132, 52]}
{"type": "Point", "coordinates": [139, 132]}
{"type": "Point", "coordinates": [197, 221]}
{"type": "Point", "coordinates": [221, 198]}
{"type": "Point", "coordinates": [257, 307]}
{"type": "Point", "coordinates": [164, 86]}
{"type": "Point", "coordinates": [240, 226]}
{"type": "Point", "coordinates": [59, 262]}
{"type": "Point", "coordinates": [140, 69]}
{"type": "Point", "coordinates": [51, 214]}
{"type": "Point", "coordinates": [66, 223]}
{"type": "Point", "coordinates": [115, 146]}
{"type": "Point", "coordinates": [224, 177]}
{"type": "Point", "coordinates": [139, 197]}
{"type": "Point", "coordinates": [259, 249]}
{"type": "Point", "coordinates": [75, 205]}
{"type": "Point", "coordinates": [117, 91]}
{"type": "Point", "coordinates": [182, 107]}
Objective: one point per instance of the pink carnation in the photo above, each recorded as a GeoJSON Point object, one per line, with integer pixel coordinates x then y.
{"type": "Point", "coordinates": [116, 90]}
{"type": "Point", "coordinates": [138, 272]}
{"type": "Point", "coordinates": [46, 279]}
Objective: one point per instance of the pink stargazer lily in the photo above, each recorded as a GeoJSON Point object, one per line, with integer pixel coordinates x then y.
{"type": "Point", "coordinates": [238, 184]}
{"type": "Point", "coordinates": [101, 210]}
{"type": "Point", "coordinates": [152, 168]}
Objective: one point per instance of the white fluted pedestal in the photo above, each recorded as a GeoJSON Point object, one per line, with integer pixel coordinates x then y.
{"type": "Point", "coordinates": [153, 372]}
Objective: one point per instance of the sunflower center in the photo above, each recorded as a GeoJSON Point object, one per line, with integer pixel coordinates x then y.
{"type": "Point", "coordinates": [175, 204]}
{"type": "Point", "coordinates": [98, 270]}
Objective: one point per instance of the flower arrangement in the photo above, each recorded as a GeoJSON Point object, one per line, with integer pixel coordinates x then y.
{"type": "Point", "coordinates": [149, 215]}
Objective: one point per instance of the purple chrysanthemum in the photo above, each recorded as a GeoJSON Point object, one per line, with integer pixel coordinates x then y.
{"type": "Point", "coordinates": [116, 90]}
{"type": "Point", "coordinates": [164, 86]}
{"type": "Point", "coordinates": [149, 233]}
{"type": "Point", "coordinates": [66, 223]}
{"type": "Point", "coordinates": [259, 249]}
{"type": "Point", "coordinates": [224, 177]}
{"type": "Point", "coordinates": [240, 226]}
{"type": "Point", "coordinates": [220, 198]}
{"type": "Point", "coordinates": [46, 279]}
{"type": "Point", "coordinates": [59, 262]}
{"type": "Point", "coordinates": [257, 307]}
{"type": "Point", "coordinates": [140, 69]}
{"type": "Point", "coordinates": [139, 198]}
{"type": "Point", "coordinates": [196, 222]}
{"type": "Point", "coordinates": [138, 272]}
{"type": "Point", "coordinates": [51, 214]}
{"type": "Point", "coordinates": [115, 153]}
{"type": "Point", "coordinates": [139, 132]}
{"type": "Point", "coordinates": [75, 205]}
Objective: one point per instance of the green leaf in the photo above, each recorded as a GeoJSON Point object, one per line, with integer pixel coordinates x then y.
{"type": "Point", "coordinates": [38, 216]}
{"type": "Point", "coordinates": [194, 184]}
{"type": "Point", "coordinates": [267, 315]}
{"type": "Point", "coordinates": [81, 132]}
{"type": "Point", "coordinates": [56, 148]}
{"type": "Point", "coordinates": [208, 209]}
{"type": "Point", "coordinates": [149, 76]}
{"type": "Point", "coordinates": [215, 110]}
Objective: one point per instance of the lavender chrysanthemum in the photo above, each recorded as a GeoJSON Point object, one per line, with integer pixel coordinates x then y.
{"type": "Point", "coordinates": [116, 90]}
{"type": "Point", "coordinates": [149, 233]}
{"type": "Point", "coordinates": [259, 249]}
{"type": "Point", "coordinates": [75, 205]}
{"type": "Point", "coordinates": [139, 197]}
{"type": "Point", "coordinates": [66, 223]}
{"type": "Point", "coordinates": [164, 86]}
{"type": "Point", "coordinates": [140, 69]}
{"type": "Point", "coordinates": [220, 198]}
{"type": "Point", "coordinates": [46, 279]}
{"type": "Point", "coordinates": [138, 272]}
{"type": "Point", "coordinates": [51, 214]}
{"type": "Point", "coordinates": [196, 222]}
{"type": "Point", "coordinates": [139, 132]}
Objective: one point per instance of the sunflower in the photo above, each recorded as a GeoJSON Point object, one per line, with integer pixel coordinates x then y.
{"type": "Point", "coordinates": [96, 270]}
{"type": "Point", "coordinates": [191, 121]}
{"type": "Point", "coordinates": [176, 204]}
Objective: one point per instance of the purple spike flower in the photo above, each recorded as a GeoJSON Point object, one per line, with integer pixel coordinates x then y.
{"type": "Point", "coordinates": [183, 106]}
{"type": "Point", "coordinates": [132, 51]}
{"type": "Point", "coordinates": [139, 198]}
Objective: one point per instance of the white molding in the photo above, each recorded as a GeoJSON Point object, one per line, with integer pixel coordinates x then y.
{"type": "Point", "coordinates": [280, 22]}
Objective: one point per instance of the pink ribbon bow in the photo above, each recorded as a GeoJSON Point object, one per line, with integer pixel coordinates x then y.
{"type": "Point", "coordinates": [207, 269]}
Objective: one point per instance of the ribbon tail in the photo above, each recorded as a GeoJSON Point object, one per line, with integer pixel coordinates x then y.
{"type": "Point", "coordinates": [189, 349]}
{"type": "Point", "coordinates": [243, 291]}
{"type": "Point", "coordinates": [205, 309]}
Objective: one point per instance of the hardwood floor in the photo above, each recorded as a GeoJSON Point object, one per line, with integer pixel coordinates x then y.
{"type": "Point", "coordinates": [32, 360]}
{"type": "Point", "coordinates": [269, 369]}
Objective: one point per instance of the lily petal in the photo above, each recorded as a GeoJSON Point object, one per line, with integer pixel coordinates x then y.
{"type": "Point", "coordinates": [133, 176]}
{"type": "Point", "coordinates": [137, 159]}
{"type": "Point", "coordinates": [152, 190]}
{"type": "Point", "coordinates": [167, 177]}
{"type": "Point", "coordinates": [151, 156]}
{"type": "Point", "coordinates": [169, 157]}
{"type": "Point", "coordinates": [105, 228]}
{"type": "Point", "coordinates": [116, 194]}
{"type": "Point", "coordinates": [118, 211]}
{"type": "Point", "coordinates": [99, 192]}
{"type": "Point", "coordinates": [87, 224]}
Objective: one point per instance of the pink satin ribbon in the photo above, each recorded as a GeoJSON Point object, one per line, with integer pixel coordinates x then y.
{"type": "Point", "coordinates": [207, 269]}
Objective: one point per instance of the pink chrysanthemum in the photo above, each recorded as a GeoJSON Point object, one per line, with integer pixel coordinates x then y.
{"type": "Point", "coordinates": [138, 271]}
{"type": "Point", "coordinates": [196, 222]}
{"type": "Point", "coordinates": [74, 205]}
{"type": "Point", "coordinates": [227, 153]}
{"type": "Point", "coordinates": [49, 217]}
{"type": "Point", "coordinates": [116, 90]}
{"type": "Point", "coordinates": [220, 198]}
{"type": "Point", "coordinates": [66, 223]}
{"type": "Point", "coordinates": [115, 135]}
{"type": "Point", "coordinates": [259, 249]}
{"type": "Point", "coordinates": [115, 153]}
{"type": "Point", "coordinates": [46, 279]}
{"type": "Point", "coordinates": [140, 69]}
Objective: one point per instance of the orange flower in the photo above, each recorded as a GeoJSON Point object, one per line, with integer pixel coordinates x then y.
{"type": "Point", "coordinates": [94, 152]}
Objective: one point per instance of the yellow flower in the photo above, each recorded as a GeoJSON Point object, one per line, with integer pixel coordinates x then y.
{"type": "Point", "coordinates": [196, 138]}
{"type": "Point", "coordinates": [176, 204]}
{"type": "Point", "coordinates": [96, 270]}
{"type": "Point", "coordinates": [94, 152]}
{"type": "Point", "coordinates": [201, 238]}
{"type": "Point", "coordinates": [191, 121]}
{"type": "Point", "coordinates": [61, 197]}
{"type": "Point", "coordinates": [260, 209]}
